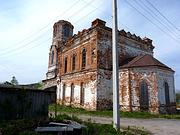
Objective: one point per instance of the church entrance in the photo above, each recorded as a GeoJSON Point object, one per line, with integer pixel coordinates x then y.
{"type": "Point", "coordinates": [144, 97]}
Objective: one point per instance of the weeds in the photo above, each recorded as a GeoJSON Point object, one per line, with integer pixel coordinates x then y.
{"type": "Point", "coordinates": [109, 113]}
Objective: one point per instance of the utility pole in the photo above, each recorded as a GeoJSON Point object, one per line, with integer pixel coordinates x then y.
{"type": "Point", "coordinates": [116, 118]}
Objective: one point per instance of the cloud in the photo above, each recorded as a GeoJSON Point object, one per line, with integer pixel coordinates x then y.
{"type": "Point", "coordinates": [33, 21]}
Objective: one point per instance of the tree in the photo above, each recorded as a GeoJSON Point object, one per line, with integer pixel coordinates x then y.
{"type": "Point", "coordinates": [14, 81]}
{"type": "Point", "coordinates": [177, 96]}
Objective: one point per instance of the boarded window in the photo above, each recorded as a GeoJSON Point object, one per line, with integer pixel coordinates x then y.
{"type": "Point", "coordinates": [83, 58]}
{"type": "Point", "coordinates": [72, 93]}
{"type": "Point", "coordinates": [65, 65]}
{"type": "Point", "coordinates": [166, 87]}
{"type": "Point", "coordinates": [74, 62]}
{"type": "Point", "coordinates": [144, 98]}
{"type": "Point", "coordinates": [82, 94]}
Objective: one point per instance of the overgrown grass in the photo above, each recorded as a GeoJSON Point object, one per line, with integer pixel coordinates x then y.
{"type": "Point", "coordinates": [106, 129]}
{"type": "Point", "coordinates": [19, 127]}
{"type": "Point", "coordinates": [109, 113]}
{"type": "Point", "coordinates": [26, 127]}
{"type": "Point", "coordinates": [101, 129]}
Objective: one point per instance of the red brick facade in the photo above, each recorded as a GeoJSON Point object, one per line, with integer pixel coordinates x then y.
{"type": "Point", "coordinates": [81, 67]}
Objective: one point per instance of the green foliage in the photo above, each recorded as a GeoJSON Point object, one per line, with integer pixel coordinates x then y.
{"type": "Point", "coordinates": [14, 81]}
{"type": "Point", "coordinates": [73, 110]}
{"type": "Point", "coordinates": [26, 127]}
{"type": "Point", "coordinates": [144, 115]}
{"type": "Point", "coordinates": [38, 85]}
{"type": "Point", "coordinates": [18, 127]}
{"type": "Point", "coordinates": [177, 96]}
{"type": "Point", "coordinates": [29, 133]}
{"type": "Point", "coordinates": [100, 129]}
{"type": "Point", "coordinates": [107, 129]}
{"type": "Point", "coordinates": [166, 116]}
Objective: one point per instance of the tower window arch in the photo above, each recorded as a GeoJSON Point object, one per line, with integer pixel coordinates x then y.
{"type": "Point", "coordinates": [66, 31]}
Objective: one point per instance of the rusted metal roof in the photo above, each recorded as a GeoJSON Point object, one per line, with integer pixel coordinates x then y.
{"type": "Point", "coordinates": [143, 61]}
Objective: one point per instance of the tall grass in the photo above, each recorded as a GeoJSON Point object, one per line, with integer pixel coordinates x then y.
{"type": "Point", "coordinates": [109, 113]}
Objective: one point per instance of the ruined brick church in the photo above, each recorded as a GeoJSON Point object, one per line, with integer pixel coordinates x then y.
{"type": "Point", "coordinates": [80, 67]}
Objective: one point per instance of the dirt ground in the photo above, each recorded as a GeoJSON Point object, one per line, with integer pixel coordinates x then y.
{"type": "Point", "coordinates": [155, 126]}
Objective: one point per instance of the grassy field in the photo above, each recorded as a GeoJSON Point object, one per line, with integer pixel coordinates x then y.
{"type": "Point", "coordinates": [109, 113]}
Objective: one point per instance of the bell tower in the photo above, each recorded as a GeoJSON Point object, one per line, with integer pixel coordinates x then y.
{"type": "Point", "coordinates": [62, 30]}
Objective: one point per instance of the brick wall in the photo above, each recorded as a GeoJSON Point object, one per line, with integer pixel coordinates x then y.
{"type": "Point", "coordinates": [97, 74]}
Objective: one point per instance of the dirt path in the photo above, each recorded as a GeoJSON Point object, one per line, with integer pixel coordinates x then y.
{"type": "Point", "coordinates": [156, 126]}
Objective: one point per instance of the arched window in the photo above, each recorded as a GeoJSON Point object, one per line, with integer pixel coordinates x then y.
{"type": "Point", "coordinates": [82, 94]}
{"type": "Point", "coordinates": [144, 97]}
{"type": "Point", "coordinates": [52, 57]}
{"type": "Point", "coordinates": [64, 92]}
{"type": "Point", "coordinates": [83, 58]}
{"type": "Point", "coordinates": [65, 65]}
{"type": "Point", "coordinates": [66, 31]}
{"type": "Point", "coordinates": [74, 62]}
{"type": "Point", "coordinates": [166, 88]}
{"type": "Point", "coordinates": [72, 93]}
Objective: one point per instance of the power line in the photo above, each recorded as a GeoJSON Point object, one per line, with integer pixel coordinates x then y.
{"type": "Point", "coordinates": [29, 43]}
{"type": "Point", "coordinates": [74, 23]}
{"type": "Point", "coordinates": [23, 51]}
{"type": "Point", "coordinates": [36, 39]}
{"type": "Point", "coordinates": [80, 10]}
{"type": "Point", "coordinates": [88, 13]}
{"type": "Point", "coordinates": [151, 21]}
{"type": "Point", "coordinates": [163, 16]}
{"type": "Point", "coordinates": [25, 45]}
{"type": "Point", "coordinates": [154, 16]}
{"type": "Point", "coordinates": [41, 29]}
{"type": "Point", "coordinates": [110, 16]}
{"type": "Point", "coordinates": [19, 53]}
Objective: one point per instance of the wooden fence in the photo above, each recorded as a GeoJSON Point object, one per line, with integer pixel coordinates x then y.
{"type": "Point", "coordinates": [19, 102]}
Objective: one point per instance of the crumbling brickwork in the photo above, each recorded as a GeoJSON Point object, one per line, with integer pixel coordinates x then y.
{"type": "Point", "coordinates": [80, 65]}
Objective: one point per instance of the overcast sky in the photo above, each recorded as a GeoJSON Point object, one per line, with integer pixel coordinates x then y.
{"type": "Point", "coordinates": [26, 30]}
